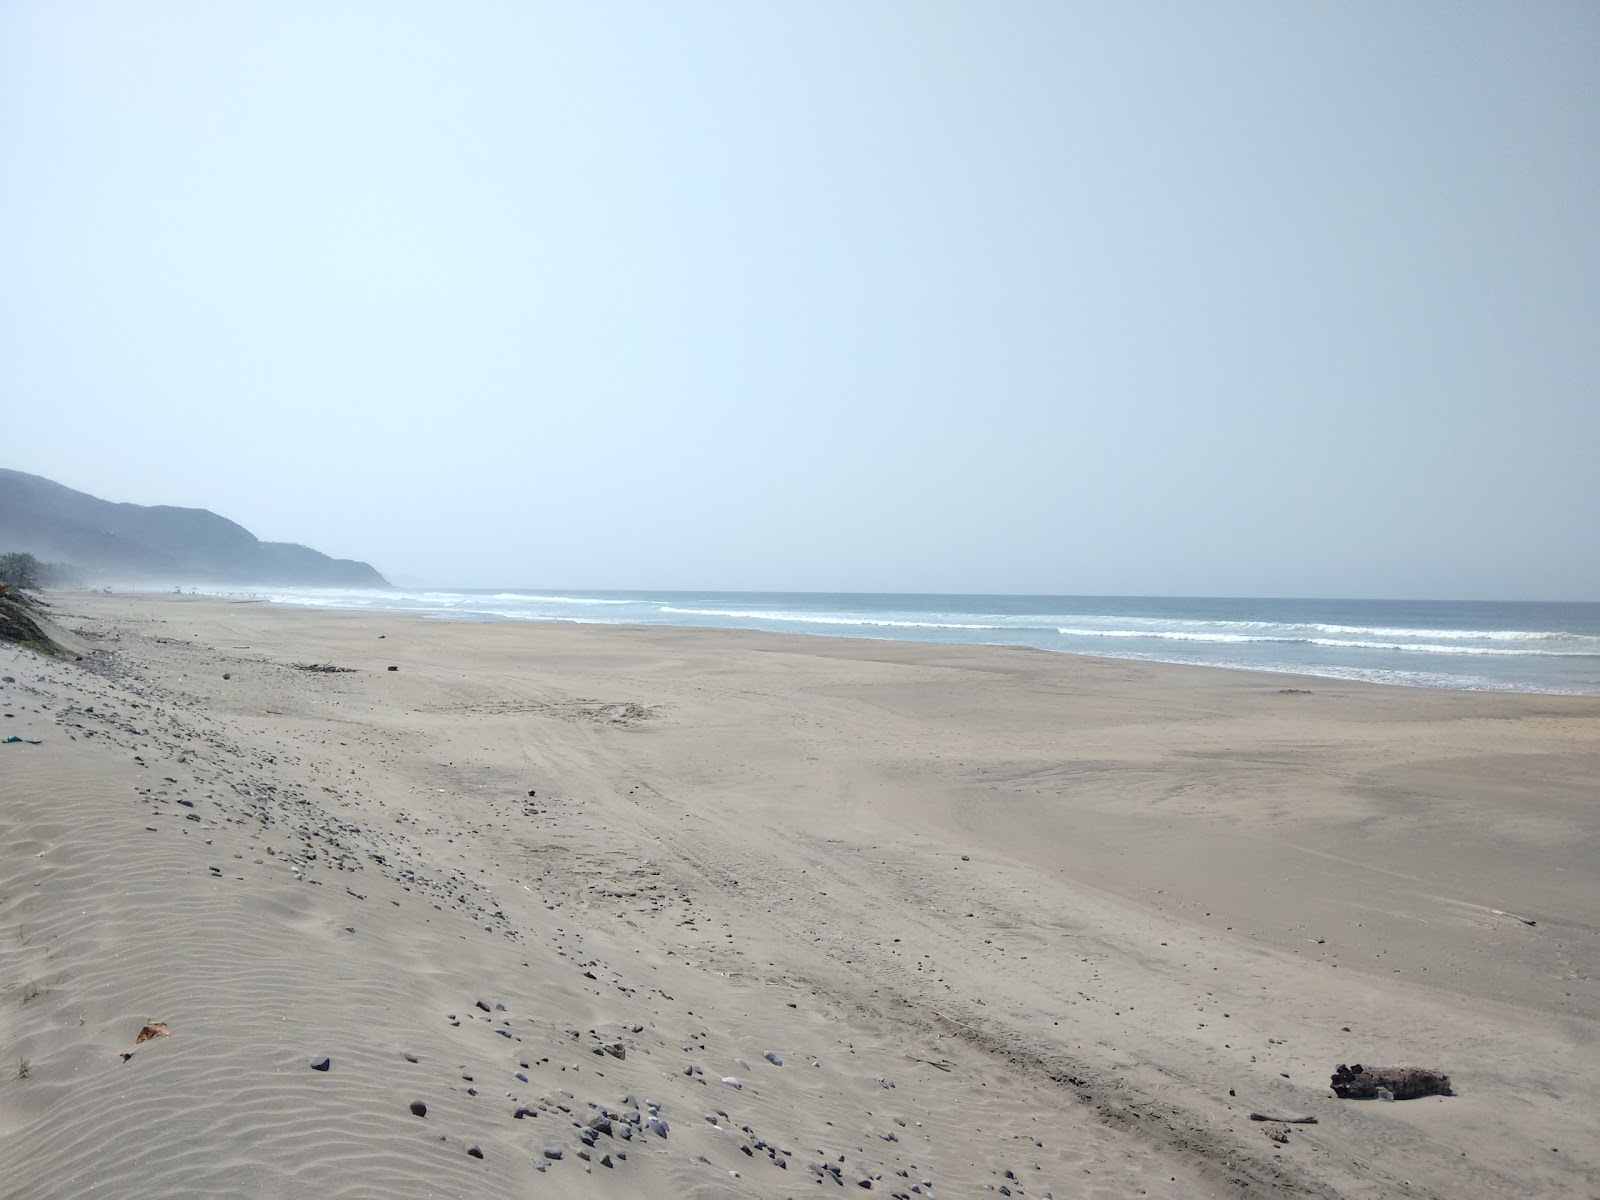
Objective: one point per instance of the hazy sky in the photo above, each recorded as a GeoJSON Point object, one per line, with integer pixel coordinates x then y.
{"type": "Point", "coordinates": [1238, 299]}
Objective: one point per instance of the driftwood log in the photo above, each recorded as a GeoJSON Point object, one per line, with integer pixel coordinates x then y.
{"type": "Point", "coordinates": [1404, 1083]}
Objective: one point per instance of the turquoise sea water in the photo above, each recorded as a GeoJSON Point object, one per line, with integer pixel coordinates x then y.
{"type": "Point", "coordinates": [1480, 645]}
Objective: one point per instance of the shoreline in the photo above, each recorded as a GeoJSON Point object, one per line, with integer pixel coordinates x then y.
{"type": "Point", "coordinates": [1107, 658]}
{"type": "Point", "coordinates": [995, 886]}
{"type": "Point", "coordinates": [1300, 631]}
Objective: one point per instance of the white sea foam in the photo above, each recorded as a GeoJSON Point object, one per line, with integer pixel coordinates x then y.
{"type": "Point", "coordinates": [1474, 635]}
{"type": "Point", "coordinates": [1174, 635]}
{"type": "Point", "coordinates": [1401, 678]}
{"type": "Point", "coordinates": [1332, 643]}
{"type": "Point", "coordinates": [821, 619]}
{"type": "Point", "coordinates": [1129, 626]}
{"type": "Point", "coordinates": [1434, 648]}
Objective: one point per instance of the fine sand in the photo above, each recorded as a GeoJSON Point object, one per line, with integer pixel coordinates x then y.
{"type": "Point", "coordinates": [1040, 924]}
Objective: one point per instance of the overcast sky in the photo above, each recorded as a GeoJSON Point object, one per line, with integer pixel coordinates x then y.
{"type": "Point", "coordinates": [1216, 299]}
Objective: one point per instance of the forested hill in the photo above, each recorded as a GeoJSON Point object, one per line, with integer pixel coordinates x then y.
{"type": "Point", "coordinates": [136, 542]}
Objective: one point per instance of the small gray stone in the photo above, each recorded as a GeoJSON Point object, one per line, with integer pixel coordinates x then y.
{"type": "Point", "coordinates": [772, 1057]}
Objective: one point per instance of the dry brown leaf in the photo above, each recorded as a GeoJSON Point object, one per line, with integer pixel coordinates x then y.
{"type": "Point", "coordinates": [152, 1029]}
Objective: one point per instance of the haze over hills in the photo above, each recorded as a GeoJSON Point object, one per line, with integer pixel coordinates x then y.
{"type": "Point", "coordinates": [148, 543]}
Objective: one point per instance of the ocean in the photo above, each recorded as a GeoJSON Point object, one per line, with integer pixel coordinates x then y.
{"type": "Point", "coordinates": [1474, 645]}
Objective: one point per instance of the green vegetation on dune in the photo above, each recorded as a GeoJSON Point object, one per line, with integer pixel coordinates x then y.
{"type": "Point", "coordinates": [17, 622]}
{"type": "Point", "coordinates": [19, 570]}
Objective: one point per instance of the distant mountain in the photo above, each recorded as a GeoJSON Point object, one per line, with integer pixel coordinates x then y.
{"type": "Point", "coordinates": [156, 543]}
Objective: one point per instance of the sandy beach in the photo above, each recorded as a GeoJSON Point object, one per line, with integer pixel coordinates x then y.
{"type": "Point", "coordinates": [669, 912]}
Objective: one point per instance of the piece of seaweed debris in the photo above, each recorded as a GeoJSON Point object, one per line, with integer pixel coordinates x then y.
{"type": "Point", "coordinates": [323, 668]}
{"type": "Point", "coordinates": [1402, 1083]}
